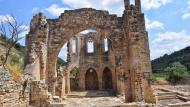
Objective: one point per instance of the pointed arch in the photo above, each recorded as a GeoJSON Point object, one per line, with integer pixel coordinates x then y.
{"type": "Point", "coordinates": [91, 80]}
{"type": "Point", "coordinates": [107, 82]}
{"type": "Point", "coordinates": [106, 45]}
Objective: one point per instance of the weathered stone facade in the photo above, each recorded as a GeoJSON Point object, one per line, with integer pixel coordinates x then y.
{"type": "Point", "coordinates": [12, 93]}
{"type": "Point", "coordinates": [95, 70]}
{"type": "Point", "coordinates": [128, 58]}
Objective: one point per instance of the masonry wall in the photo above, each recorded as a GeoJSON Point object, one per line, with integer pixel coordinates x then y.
{"type": "Point", "coordinates": [129, 59]}
{"type": "Point", "coordinates": [11, 92]}
{"type": "Point", "coordinates": [138, 52]}
{"type": "Point", "coordinates": [98, 60]}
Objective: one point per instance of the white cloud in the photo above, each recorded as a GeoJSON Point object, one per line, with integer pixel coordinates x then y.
{"type": "Point", "coordinates": [168, 42]}
{"type": "Point", "coordinates": [25, 27]}
{"type": "Point", "coordinates": [189, 3]}
{"type": "Point", "coordinates": [26, 30]}
{"type": "Point", "coordinates": [154, 4]}
{"type": "Point", "coordinates": [186, 16]}
{"type": "Point", "coordinates": [23, 34]}
{"type": "Point", "coordinates": [186, 12]}
{"type": "Point", "coordinates": [153, 24]}
{"type": "Point", "coordinates": [55, 10]}
{"type": "Point", "coordinates": [113, 6]}
{"type": "Point", "coordinates": [5, 18]}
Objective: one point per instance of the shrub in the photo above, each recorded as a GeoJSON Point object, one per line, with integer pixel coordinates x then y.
{"type": "Point", "coordinates": [176, 72]}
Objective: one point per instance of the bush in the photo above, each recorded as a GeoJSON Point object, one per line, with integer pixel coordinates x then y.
{"type": "Point", "coordinates": [176, 72]}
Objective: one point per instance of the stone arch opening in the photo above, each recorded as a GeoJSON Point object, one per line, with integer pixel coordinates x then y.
{"type": "Point", "coordinates": [132, 2]}
{"type": "Point", "coordinates": [73, 58]}
{"type": "Point", "coordinates": [107, 83]}
{"type": "Point", "coordinates": [74, 45]}
{"type": "Point", "coordinates": [62, 57]}
{"type": "Point", "coordinates": [47, 36]}
{"type": "Point", "coordinates": [106, 45]}
{"type": "Point", "coordinates": [91, 80]}
{"type": "Point", "coordinates": [90, 46]}
{"type": "Point", "coordinates": [71, 23]}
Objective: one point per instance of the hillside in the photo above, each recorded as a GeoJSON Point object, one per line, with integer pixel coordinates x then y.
{"type": "Point", "coordinates": [15, 61]}
{"type": "Point", "coordinates": [182, 56]}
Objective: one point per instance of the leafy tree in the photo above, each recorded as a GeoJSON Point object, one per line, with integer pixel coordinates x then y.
{"type": "Point", "coordinates": [176, 72]}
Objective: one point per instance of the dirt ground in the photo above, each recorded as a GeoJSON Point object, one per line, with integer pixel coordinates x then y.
{"type": "Point", "coordinates": [93, 98]}
{"type": "Point", "coordinates": [105, 99]}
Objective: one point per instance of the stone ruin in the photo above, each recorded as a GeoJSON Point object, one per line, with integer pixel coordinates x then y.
{"type": "Point", "coordinates": [12, 93]}
{"type": "Point", "coordinates": [125, 67]}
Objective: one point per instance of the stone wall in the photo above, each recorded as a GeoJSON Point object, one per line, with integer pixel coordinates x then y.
{"type": "Point", "coordinates": [130, 56]}
{"type": "Point", "coordinates": [98, 60]}
{"type": "Point", "coordinates": [12, 94]}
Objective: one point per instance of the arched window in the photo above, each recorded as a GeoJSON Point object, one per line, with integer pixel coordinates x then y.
{"type": "Point", "coordinates": [132, 2]}
{"type": "Point", "coordinates": [74, 45]}
{"type": "Point", "coordinates": [90, 46]}
{"type": "Point", "coordinates": [106, 45]}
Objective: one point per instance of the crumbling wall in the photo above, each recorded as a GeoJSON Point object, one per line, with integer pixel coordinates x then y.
{"type": "Point", "coordinates": [36, 47]}
{"type": "Point", "coordinates": [138, 53]}
{"type": "Point", "coordinates": [130, 56]}
{"type": "Point", "coordinates": [12, 94]}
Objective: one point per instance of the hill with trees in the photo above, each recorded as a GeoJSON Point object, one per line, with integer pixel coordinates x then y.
{"type": "Point", "coordinates": [182, 56]}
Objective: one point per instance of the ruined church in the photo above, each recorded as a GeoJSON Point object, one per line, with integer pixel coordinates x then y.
{"type": "Point", "coordinates": [115, 57]}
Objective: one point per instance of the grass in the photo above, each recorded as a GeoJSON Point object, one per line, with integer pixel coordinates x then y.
{"type": "Point", "coordinates": [15, 62]}
{"type": "Point", "coordinates": [159, 78]}
{"type": "Point", "coordinates": [161, 74]}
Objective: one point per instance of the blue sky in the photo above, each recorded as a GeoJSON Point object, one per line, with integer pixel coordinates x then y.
{"type": "Point", "coordinates": [167, 21]}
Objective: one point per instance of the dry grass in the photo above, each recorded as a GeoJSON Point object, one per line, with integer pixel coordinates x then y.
{"type": "Point", "coordinates": [15, 71]}
{"type": "Point", "coordinates": [14, 63]}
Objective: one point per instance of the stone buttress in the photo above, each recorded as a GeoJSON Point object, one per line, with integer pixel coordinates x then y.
{"type": "Point", "coordinates": [138, 53]}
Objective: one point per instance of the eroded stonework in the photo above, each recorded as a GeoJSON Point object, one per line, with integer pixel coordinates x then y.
{"type": "Point", "coordinates": [128, 58]}
{"type": "Point", "coordinates": [13, 93]}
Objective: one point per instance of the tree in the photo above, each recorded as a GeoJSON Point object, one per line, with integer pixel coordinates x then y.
{"type": "Point", "coordinates": [10, 30]}
{"type": "Point", "coordinates": [176, 72]}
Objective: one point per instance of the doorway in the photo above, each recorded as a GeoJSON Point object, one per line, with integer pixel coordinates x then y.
{"type": "Point", "coordinates": [91, 80]}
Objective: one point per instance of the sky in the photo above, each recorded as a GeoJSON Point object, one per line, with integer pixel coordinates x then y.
{"type": "Point", "coordinates": [167, 21]}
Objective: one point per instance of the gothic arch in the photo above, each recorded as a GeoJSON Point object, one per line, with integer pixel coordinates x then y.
{"type": "Point", "coordinates": [74, 21]}
{"type": "Point", "coordinates": [91, 80]}
{"type": "Point", "coordinates": [74, 45]}
{"type": "Point", "coordinates": [107, 80]}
